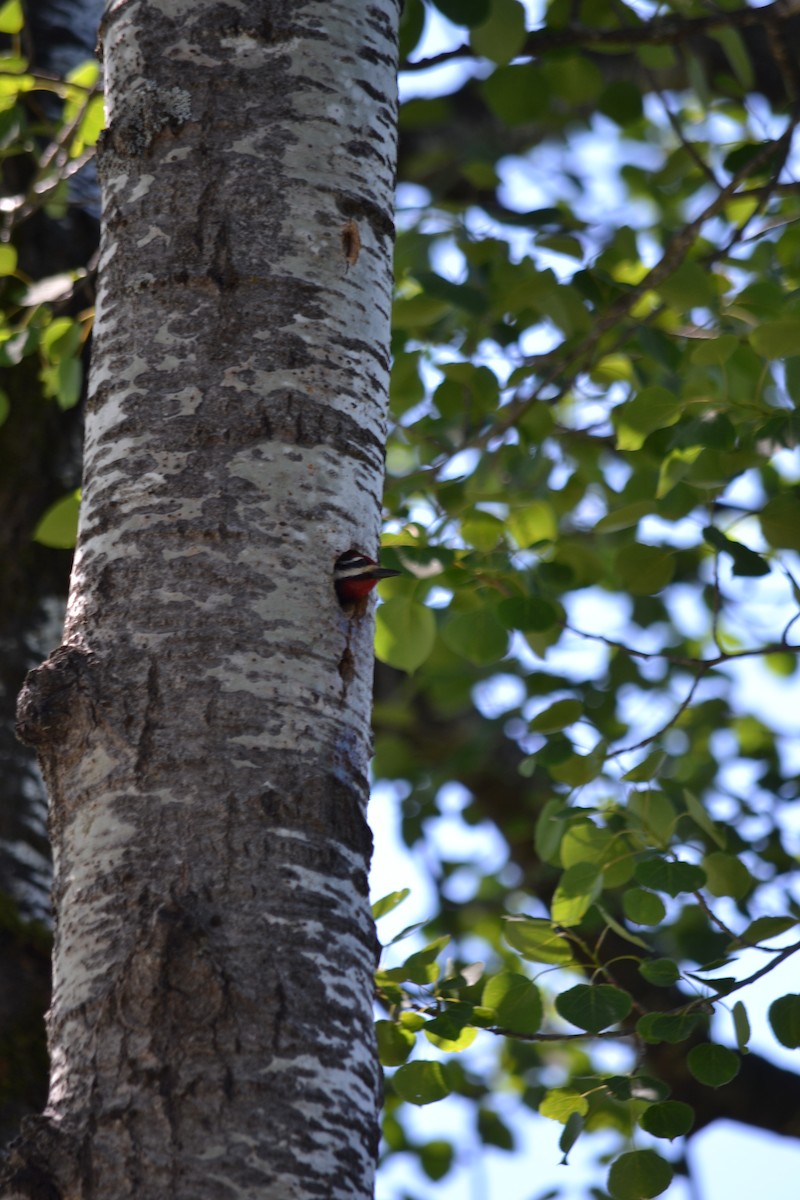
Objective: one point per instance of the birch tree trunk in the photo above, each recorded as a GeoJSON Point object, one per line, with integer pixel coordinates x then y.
{"type": "Point", "coordinates": [204, 728]}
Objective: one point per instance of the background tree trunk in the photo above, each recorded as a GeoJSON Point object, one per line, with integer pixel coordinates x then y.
{"type": "Point", "coordinates": [206, 757]}
{"type": "Point", "coordinates": [39, 461]}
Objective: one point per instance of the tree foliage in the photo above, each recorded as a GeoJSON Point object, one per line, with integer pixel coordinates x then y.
{"type": "Point", "coordinates": [593, 490]}
{"type": "Point", "coordinates": [593, 495]}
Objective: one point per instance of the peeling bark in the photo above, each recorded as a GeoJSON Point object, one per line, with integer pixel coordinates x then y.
{"type": "Point", "coordinates": [205, 749]}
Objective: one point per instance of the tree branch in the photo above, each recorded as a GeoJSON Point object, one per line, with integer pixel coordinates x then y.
{"type": "Point", "coordinates": [660, 31]}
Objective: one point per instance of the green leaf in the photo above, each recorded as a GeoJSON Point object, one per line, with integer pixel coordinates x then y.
{"type": "Point", "coordinates": [714, 351]}
{"type": "Point", "coordinates": [420, 967]}
{"type": "Point", "coordinates": [639, 1175]}
{"type": "Point", "coordinates": [575, 79]}
{"type": "Point", "coordinates": [11, 17]}
{"type": "Point", "coordinates": [477, 636]}
{"type": "Point", "coordinates": [667, 1119]}
{"type": "Point", "coordinates": [534, 523]}
{"type": "Point", "coordinates": [482, 530]}
{"type": "Point", "coordinates": [727, 875]}
{"type": "Point", "coordinates": [405, 632]}
{"type": "Point", "coordinates": [61, 339]}
{"type": "Point", "coordinates": [745, 561]}
{"type": "Point", "coordinates": [578, 887]}
{"type": "Point", "coordinates": [690, 286]}
{"type": "Point", "coordinates": [550, 829]}
{"type": "Point", "coordinates": [653, 408]}
{"type": "Point", "coordinates": [5, 406]}
{"type": "Point", "coordinates": [436, 1158]}
{"type": "Point", "coordinates": [389, 902]}
{"type": "Point", "coordinates": [648, 769]}
{"type": "Point", "coordinates": [668, 1027]}
{"type": "Point", "coordinates": [579, 769]}
{"type": "Point", "coordinates": [8, 253]}
{"type": "Point", "coordinates": [530, 614]}
{"type": "Point", "coordinates": [406, 388]}
{"type": "Point", "coordinates": [626, 517]}
{"type": "Point", "coordinates": [394, 1043]}
{"type": "Point", "coordinates": [700, 817]}
{"type": "Point", "coordinates": [653, 813]}
{"type": "Point", "coordinates": [664, 875]}
{"type": "Point", "coordinates": [69, 381]}
{"type": "Point", "coordinates": [464, 12]}
{"type": "Point", "coordinates": [642, 907]}
{"type": "Point", "coordinates": [644, 570]}
{"type": "Point", "coordinates": [780, 521]}
{"type": "Point", "coordinates": [572, 1131]}
{"type": "Point", "coordinates": [737, 54]}
{"type": "Point", "coordinates": [661, 972]}
{"type": "Point", "coordinates": [493, 1131]}
{"type": "Point", "coordinates": [462, 1038]}
{"type": "Point", "coordinates": [713, 1065]}
{"type": "Point", "coordinates": [557, 717]}
{"type": "Point", "coordinates": [90, 127]}
{"type": "Point", "coordinates": [501, 37]}
{"type": "Point", "coordinates": [784, 1018]}
{"type": "Point", "coordinates": [741, 1026]}
{"type": "Point", "coordinates": [620, 929]}
{"type": "Point", "coordinates": [560, 1103]}
{"type": "Point", "coordinates": [421, 1082]}
{"type": "Point", "coordinates": [418, 312]}
{"type": "Point", "coordinates": [516, 1001]}
{"type": "Point", "coordinates": [584, 842]}
{"type": "Point", "coordinates": [621, 101]}
{"type": "Point", "coordinates": [517, 93]}
{"type": "Point", "coordinates": [536, 940]}
{"type": "Point", "coordinates": [593, 1006]}
{"type": "Point", "coordinates": [777, 339]}
{"type": "Point", "coordinates": [58, 526]}
{"type": "Point", "coordinates": [85, 75]}
{"type": "Point", "coordinates": [764, 929]}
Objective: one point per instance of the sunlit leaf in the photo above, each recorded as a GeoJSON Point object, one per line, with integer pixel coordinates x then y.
{"type": "Point", "coordinates": [560, 1103]}
{"type": "Point", "coordinates": [58, 527]}
{"type": "Point", "coordinates": [421, 1082]}
{"type": "Point", "coordinates": [516, 1001]}
{"type": "Point", "coordinates": [536, 940]}
{"type": "Point", "coordinates": [389, 902]}
{"type": "Point", "coordinates": [405, 633]}
{"type": "Point", "coordinates": [578, 887]}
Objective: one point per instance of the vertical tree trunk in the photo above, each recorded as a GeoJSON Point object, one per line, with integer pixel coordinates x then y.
{"type": "Point", "coordinates": [204, 729]}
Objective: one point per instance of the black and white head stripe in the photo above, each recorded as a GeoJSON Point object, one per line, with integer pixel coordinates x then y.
{"type": "Point", "coordinates": [352, 565]}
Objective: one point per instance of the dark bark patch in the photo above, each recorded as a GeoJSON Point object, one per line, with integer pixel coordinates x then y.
{"type": "Point", "coordinates": [41, 1162]}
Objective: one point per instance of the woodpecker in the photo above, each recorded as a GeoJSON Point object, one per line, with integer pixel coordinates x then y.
{"type": "Point", "coordinates": [354, 577]}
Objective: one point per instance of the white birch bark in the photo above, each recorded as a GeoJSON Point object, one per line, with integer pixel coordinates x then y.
{"type": "Point", "coordinates": [204, 729]}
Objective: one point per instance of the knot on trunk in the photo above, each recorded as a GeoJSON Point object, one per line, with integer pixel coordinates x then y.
{"type": "Point", "coordinates": [41, 1164]}
{"type": "Point", "coordinates": [56, 699]}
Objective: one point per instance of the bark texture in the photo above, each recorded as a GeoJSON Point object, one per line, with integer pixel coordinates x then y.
{"type": "Point", "coordinates": [204, 729]}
